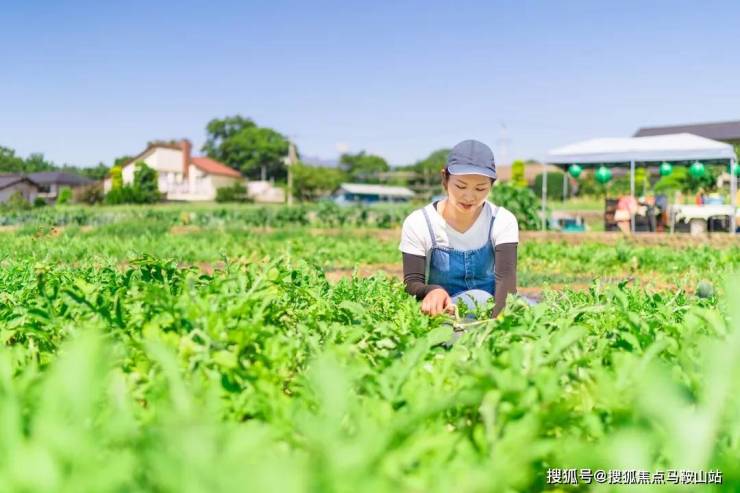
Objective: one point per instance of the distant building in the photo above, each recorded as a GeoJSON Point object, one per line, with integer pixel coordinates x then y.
{"type": "Point", "coordinates": [531, 171]}
{"type": "Point", "coordinates": [263, 191]}
{"type": "Point", "coordinates": [10, 184]}
{"type": "Point", "coordinates": [181, 175]}
{"type": "Point", "coordinates": [349, 193]}
{"type": "Point", "coordinates": [728, 132]}
{"type": "Point", "coordinates": [50, 182]}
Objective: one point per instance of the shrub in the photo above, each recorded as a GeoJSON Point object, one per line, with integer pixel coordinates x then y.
{"type": "Point", "coordinates": [91, 194]}
{"type": "Point", "coordinates": [65, 195]}
{"type": "Point", "coordinates": [144, 190]}
{"type": "Point", "coordinates": [234, 193]}
{"type": "Point", "coordinates": [522, 202]}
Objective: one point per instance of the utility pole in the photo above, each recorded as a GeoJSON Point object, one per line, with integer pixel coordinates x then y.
{"type": "Point", "coordinates": [290, 162]}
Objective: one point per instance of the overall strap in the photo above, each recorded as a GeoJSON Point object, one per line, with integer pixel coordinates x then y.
{"type": "Point", "coordinates": [429, 225]}
{"type": "Point", "coordinates": [490, 227]}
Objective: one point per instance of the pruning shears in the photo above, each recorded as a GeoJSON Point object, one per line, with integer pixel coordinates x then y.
{"type": "Point", "coordinates": [459, 326]}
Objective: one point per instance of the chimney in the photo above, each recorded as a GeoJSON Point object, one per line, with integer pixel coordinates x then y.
{"type": "Point", "coordinates": [187, 148]}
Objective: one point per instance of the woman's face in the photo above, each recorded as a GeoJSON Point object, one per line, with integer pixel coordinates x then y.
{"type": "Point", "coordinates": [465, 193]}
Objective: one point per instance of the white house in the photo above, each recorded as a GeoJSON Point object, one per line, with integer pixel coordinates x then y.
{"type": "Point", "coordinates": [181, 175]}
{"type": "Point", "coordinates": [265, 192]}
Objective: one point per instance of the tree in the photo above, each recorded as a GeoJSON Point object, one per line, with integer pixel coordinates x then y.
{"type": "Point", "coordinates": [309, 182]}
{"type": "Point", "coordinates": [362, 166]}
{"type": "Point", "coordinates": [681, 179]}
{"type": "Point", "coordinates": [554, 185]}
{"type": "Point", "coordinates": [240, 143]}
{"type": "Point", "coordinates": [517, 174]}
{"type": "Point", "coordinates": [98, 172]}
{"type": "Point", "coordinates": [430, 166]}
{"type": "Point", "coordinates": [9, 162]}
{"type": "Point", "coordinates": [122, 160]}
{"type": "Point", "coordinates": [35, 162]}
{"type": "Point", "coordinates": [146, 183]}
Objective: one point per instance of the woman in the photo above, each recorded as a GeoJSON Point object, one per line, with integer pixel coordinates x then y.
{"type": "Point", "coordinates": [463, 247]}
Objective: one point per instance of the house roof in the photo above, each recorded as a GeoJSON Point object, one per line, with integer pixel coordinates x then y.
{"type": "Point", "coordinates": [214, 167]}
{"type": "Point", "coordinates": [204, 163]}
{"type": "Point", "coordinates": [716, 131]}
{"type": "Point", "coordinates": [365, 189]}
{"type": "Point", "coordinates": [59, 178]}
{"type": "Point", "coordinates": [8, 180]}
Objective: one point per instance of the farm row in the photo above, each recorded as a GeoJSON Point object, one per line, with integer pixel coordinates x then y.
{"type": "Point", "coordinates": [136, 357]}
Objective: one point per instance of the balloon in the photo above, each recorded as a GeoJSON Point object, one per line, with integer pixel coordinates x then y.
{"type": "Point", "coordinates": [697, 169]}
{"type": "Point", "coordinates": [736, 168]}
{"type": "Point", "coordinates": [575, 170]}
{"type": "Point", "coordinates": [665, 169]}
{"type": "Point", "coordinates": [603, 174]}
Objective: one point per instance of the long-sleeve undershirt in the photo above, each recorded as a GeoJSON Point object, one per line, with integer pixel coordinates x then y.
{"type": "Point", "coordinates": [414, 268]}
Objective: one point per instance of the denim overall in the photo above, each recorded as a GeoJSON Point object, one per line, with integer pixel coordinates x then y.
{"type": "Point", "coordinates": [466, 275]}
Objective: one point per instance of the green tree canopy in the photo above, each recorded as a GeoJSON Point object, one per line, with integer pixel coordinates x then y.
{"type": "Point", "coordinates": [429, 167]}
{"type": "Point", "coordinates": [362, 166]}
{"type": "Point", "coordinates": [9, 162]}
{"type": "Point", "coordinates": [95, 172]}
{"type": "Point", "coordinates": [240, 143]}
{"type": "Point", "coordinates": [35, 162]}
{"type": "Point", "coordinates": [122, 160]}
{"type": "Point", "coordinates": [310, 182]}
{"type": "Point", "coordinates": [554, 185]}
{"type": "Point", "coordinates": [146, 182]}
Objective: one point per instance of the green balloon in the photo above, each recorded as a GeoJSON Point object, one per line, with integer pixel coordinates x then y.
{"type": "Point", "coordinates": [735, 168]}
{"type": "Point", "coordinates": [603, 174]}
{"type": "Point", "coordinates": [575, 170]}
{"type": "Point", "coordinates": [697, 169]}
{"type": "Point", "coordinates": [665, 169]}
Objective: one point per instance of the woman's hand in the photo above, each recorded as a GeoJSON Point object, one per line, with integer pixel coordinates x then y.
{"type": "Point", "coordinates": [437, 301]}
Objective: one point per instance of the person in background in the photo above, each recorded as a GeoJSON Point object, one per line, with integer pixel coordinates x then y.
{"type": "Point", "coordinates": [699, 198]}
{"type": "Point", "coordinates": [461, 248]}
{"type": "Point", "coordinates": [661, 202]}
{"type": "Point", "coordinates": [651, 212]}
{"type": "Point", "coordinates": [626, 208]}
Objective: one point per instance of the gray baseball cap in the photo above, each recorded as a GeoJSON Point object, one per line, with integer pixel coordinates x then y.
{"type": "Point", "coordinates": [471, 157]}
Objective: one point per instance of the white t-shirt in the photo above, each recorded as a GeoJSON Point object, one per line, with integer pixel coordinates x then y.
{"type": "Point", "coordinates": [415, 238]}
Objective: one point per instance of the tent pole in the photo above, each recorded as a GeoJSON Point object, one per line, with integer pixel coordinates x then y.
{"type": "Point", "coordinates": [565, 186]}
{"type": "Point", "coordinates": [733, 197]}
{"type": "Point", "coordinates": [632, 193]}
{"type": "Point", "coordinates": [544, 196]}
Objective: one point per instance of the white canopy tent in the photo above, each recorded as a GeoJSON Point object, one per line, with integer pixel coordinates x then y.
{"type": "Point", "coordinates": [628, 151]}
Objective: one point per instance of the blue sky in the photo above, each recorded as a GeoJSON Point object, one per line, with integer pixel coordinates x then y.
{"type": "Point", "coordinates": [84, 82]}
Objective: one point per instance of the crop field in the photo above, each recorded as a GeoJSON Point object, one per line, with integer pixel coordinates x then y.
{"type": "Point", "coordinates": [278, 352]}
